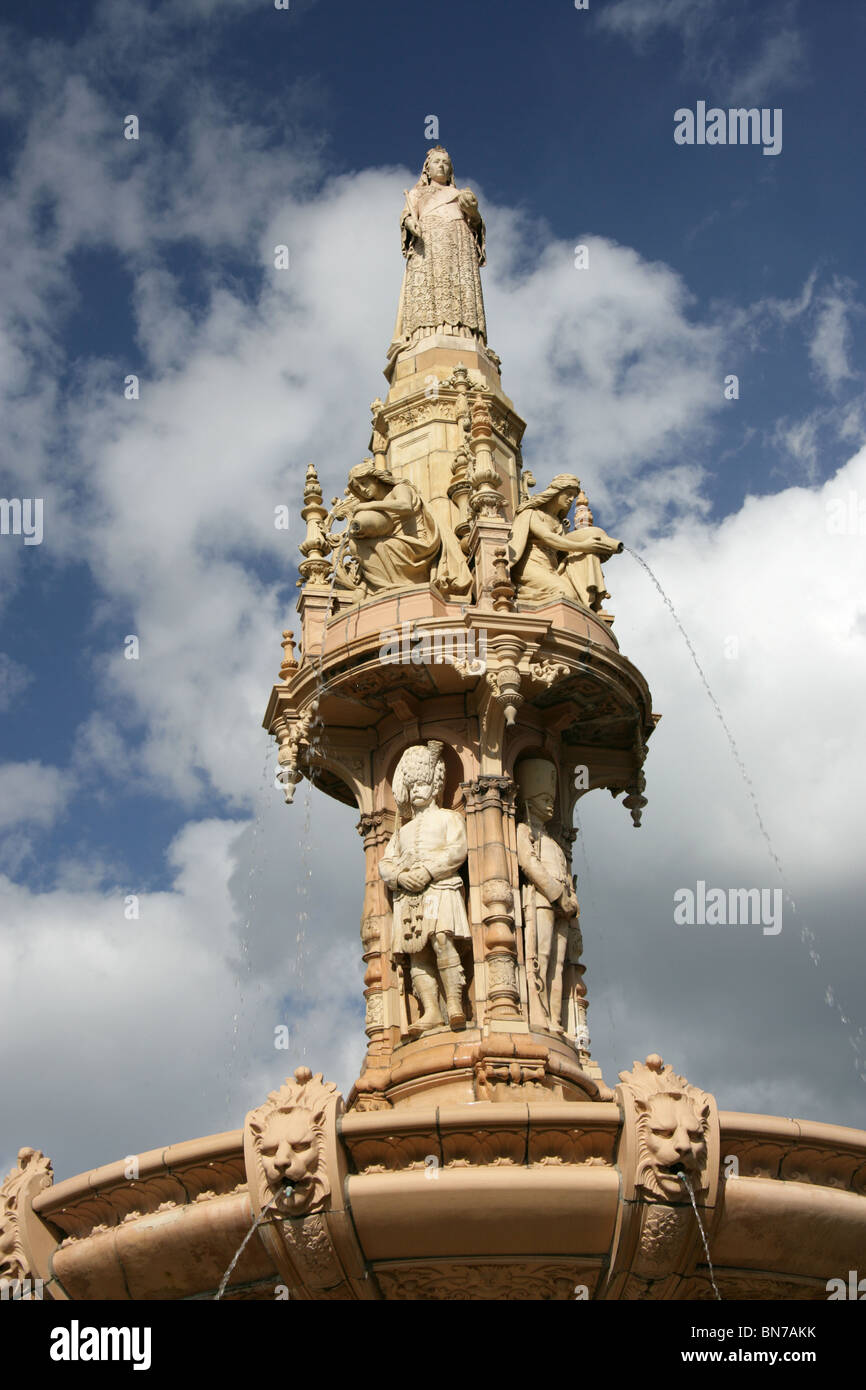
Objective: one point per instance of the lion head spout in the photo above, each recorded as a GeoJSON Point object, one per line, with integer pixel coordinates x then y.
{"type": "Point", "coordinates": [673, 1120]}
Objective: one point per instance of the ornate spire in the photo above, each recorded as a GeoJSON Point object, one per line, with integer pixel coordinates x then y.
{"type": "Point", "coordinates": [315, 568]}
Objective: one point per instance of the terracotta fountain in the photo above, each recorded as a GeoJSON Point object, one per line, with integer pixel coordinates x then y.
{"type": "Point", "coordinates": [459, 681]}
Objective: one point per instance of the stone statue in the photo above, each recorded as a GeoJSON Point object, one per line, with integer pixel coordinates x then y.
{"type": "Point", "coordinates": [421, 867]}
{"type": "Point", "coordinates": [550, 907]}
{"type": "Point", "coordinates": [393, 538]}
{"type": "Point", "coordinates": [443, 241]}
{"type": "Point", "coordinates": [673, 1121]}
{"type": "Point", "coordinates": [547, 560]}
{"type": "Point", "coordinates": [286, 1137]}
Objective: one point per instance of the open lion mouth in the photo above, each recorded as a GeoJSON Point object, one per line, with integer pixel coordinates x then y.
{"type": "Point", "coordinates": [291, 1189]}
{"type": "Point", "coordinates": [676, 1172]}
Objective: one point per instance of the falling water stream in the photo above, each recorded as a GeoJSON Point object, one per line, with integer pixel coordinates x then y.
{"type": "Point", "coordinates": [807, 936]}
{"type": "Point", "coordinates": [716, 706]}
{"type": "Point", "coordinates": [303, 890]}
{"type": "Point", "coordinates": [305, 838]}
{"type": "Point", "coordinates": [683, 1177]}
{"type": "Point", "coordinates": [587, 897]}
{"type": "Point", "coordinates": [257, 1221]}
{"type": "Point", "coordinates": [243, 974]}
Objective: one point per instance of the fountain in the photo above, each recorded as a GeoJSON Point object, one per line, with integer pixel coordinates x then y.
{"type": "Point", "coordinates": [479, 1153]}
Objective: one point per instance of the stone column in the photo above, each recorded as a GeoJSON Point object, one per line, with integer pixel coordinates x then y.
{"type": "Point", "coordinates": [382, 1032]}
{"type": "Point", "coordinates": [488, 800]}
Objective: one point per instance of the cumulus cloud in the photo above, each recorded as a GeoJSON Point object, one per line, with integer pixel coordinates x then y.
{"type": "Point", "coordinates": [154, 1015]}
{"type": "Point", "coordinates": [30, 792]}
{"type": "Point", "coordinates": [238, 392]}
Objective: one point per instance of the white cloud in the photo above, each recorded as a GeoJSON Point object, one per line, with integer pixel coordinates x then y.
{"type": "Point", "coordinates": [146, 1006]}
{"type": "Point", "coordinates": [14, 680]}
{"type": "Point", "coordinates": [638, 20]}
{"type": "Point", "coordinates": [31, 793]}
{"type": "Point", "coordinates": [831, 341]}
{"type": "Point", "coordinates": [780, 63]}
{"type": "Point", "coordinates": [798, 440]}
{"type": "Point", "coordinates": [745, 56]}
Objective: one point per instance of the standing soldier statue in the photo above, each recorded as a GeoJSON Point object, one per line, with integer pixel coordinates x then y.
{"type": "Point", "coordinates": [421, 867]}
{"type": "Point", "coordinates": [549, 902]}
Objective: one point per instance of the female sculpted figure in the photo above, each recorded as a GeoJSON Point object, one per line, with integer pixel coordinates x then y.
{"type": "Point", "coordinates": [547, 560]}
{"type": "Point", "coordinates": [443, 242]}
{"type": "Point", "coordinates": [392, 533]}
{"type": "Point", "coordinates": [394, 537]}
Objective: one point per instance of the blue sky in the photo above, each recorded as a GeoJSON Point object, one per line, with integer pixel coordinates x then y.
{"type": "Point", "coordinates": [154, 256]}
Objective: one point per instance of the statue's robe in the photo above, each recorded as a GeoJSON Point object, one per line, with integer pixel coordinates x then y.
{"type": "Point", "coordinates": [442, 285]}
{"type": "Point", "coordinates": [414, 549]}
{"type": "Point", "coordinates": [404, 556]}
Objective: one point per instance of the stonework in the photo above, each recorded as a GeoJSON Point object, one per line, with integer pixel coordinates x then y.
{"type": "Point", "coordinates": [32, 1174]}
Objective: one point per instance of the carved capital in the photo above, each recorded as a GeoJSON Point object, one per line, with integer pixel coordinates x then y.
{"type": "Point", "coordinates": [370, 826]}
{"type": "Point", "coordinates": [497, 892]}
{"type": "Point", "coordinates": [489, 787]}
{"type": "Point", "coordinates": [374, 1017]}
{"type": "Point", "coordinates": [502, 975]}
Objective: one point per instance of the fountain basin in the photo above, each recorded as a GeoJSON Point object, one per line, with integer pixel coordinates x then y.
{"type": "Point", "coordinates": [481, 1201]}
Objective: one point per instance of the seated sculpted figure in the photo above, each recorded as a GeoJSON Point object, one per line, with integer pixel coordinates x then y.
{"type": "Point", "coordinates": [550, 908]}
{"type": "Point", "coordinates": [547, 560]}
{"type": "Point", "coordinates": [421, 867]}
{"type": "Point", "coordinates": [394, 538]}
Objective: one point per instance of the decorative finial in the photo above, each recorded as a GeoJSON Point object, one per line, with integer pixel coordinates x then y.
{"type": "Point", "coordinates": [290, 661]}
{"type": "Point", "coordinates": [315, 568]}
